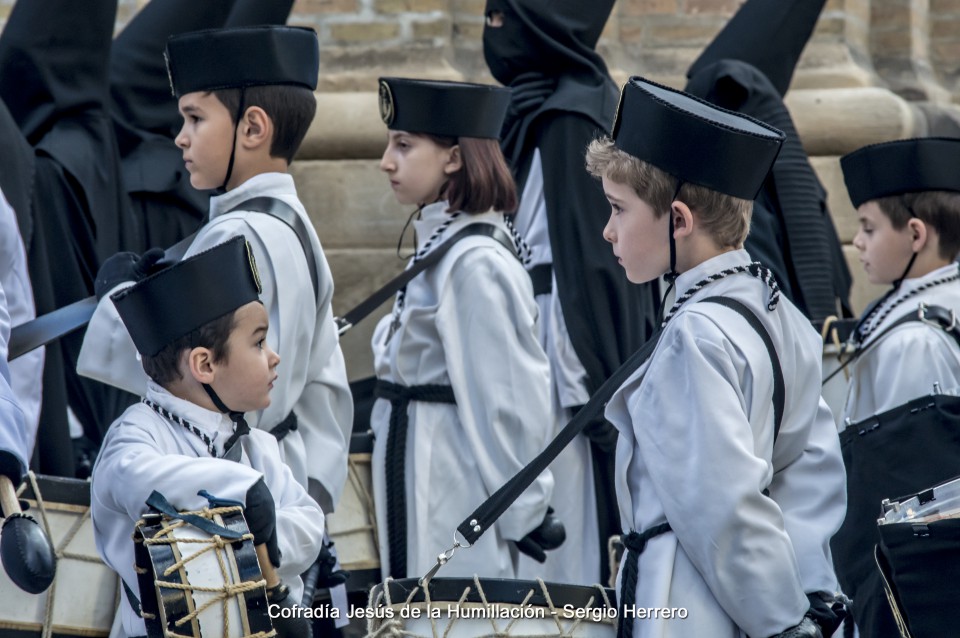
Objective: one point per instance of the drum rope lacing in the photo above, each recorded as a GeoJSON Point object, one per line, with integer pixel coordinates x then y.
{"type": "Point", "coordinates": [216, 544]}
{"type": "Point", "coordinates": [60, 550]}
{"type": "Point", "coordinates": [393, 627]}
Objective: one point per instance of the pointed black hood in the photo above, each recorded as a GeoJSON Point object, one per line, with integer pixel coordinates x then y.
{"type": "Point", "coordinates": [767, 34]}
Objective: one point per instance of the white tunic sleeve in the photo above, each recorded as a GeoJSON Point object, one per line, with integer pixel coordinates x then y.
{"type": "Point", "coordinates": [500, 376]}
{"type": "Point", "coordinates": [689, 419]}
{"type": "Point", "coordinates": [12, 423]}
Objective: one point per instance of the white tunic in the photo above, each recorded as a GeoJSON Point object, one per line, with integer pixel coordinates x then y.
{"type": "Point", "coordinates": [578, 559]}
{"type": "Point", "coordinates": [26, 372]}
{"type": "Point", "coordinates": [313, 378]}
{"type": "Point", "coordinates": [144, 451]}
{"type": "Point", "coordinates": [696, 450]}
{"type": "Point", "coordinates": [909, 359]}
{"type": "Point", "coordinates": [468, 322]}
{"type": "Point", "coordinates": [13, 436]}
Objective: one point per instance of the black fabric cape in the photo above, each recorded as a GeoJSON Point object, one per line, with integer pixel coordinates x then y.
{"type": "Point", "coordinates": [63, 179]}
{"type": "Point", "coordinates": [792, 232]}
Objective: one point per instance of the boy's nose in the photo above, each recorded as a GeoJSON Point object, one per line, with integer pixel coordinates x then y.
{"type": "Point", "coordinates": [608, 233]}
{"type": "Point", "coordinates": [385, 164]}
{"type": "Point", "coordinates": [180, 140]}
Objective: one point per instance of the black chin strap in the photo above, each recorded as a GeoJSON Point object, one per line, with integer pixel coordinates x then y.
{"type": "Point", "coordinates": [241, 428]}
{"type": "Point", "coordinates": [913, 258]}
{"type": "Point", "coordinates": [671, 275]}
{"type": "Point", "coordinates": [236, 128]}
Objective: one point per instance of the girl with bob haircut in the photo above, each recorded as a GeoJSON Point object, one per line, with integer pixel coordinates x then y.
{"type": "Point", "coordinates": [462, 382]}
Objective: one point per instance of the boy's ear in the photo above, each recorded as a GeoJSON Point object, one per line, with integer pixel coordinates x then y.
{"type": "Point", "coordinates": [919, 233]}
{"type": "Point", "coordinates": [200, 363]}
{"type": "Point", "coordinates": [256, 128]}
{"type": "Point", "coordinates": [682, 219]}
{"type": "Point", "coordinates": [455, 161]}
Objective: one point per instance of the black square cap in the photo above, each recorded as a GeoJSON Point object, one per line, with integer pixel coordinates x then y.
{"type": "Point", "coordinates": [446, 109]}
{"type": "Point", "coordinates": [694, 140]}
{"type": "Point", "coordinates": [173, 302]}
{"type": "Point", "coordinates": [903, 166]}
{"type": "Point", "coordinates": [239, 57]}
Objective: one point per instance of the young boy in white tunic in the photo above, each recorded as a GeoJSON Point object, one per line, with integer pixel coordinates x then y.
{"type": "Point", "coordinates": [201, 330]}
{"type": "Point", "coordinates": [463, 384]}
{"type": "Point", "coordinates": [728, 518]}
{"type": "Point", "coordinates": [907, 195]}
{"type": "Point", "coordinates": [246, 96]}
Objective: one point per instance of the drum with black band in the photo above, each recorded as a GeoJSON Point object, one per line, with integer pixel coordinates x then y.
{"type": "Point", "coordinates": [85, 593]}
{"type": "Point", "coordinates": [194, 583]}
{"type": "Point", "coordinates": [471, 608]}
{"type": "Point", "coordinates": [919, 558]}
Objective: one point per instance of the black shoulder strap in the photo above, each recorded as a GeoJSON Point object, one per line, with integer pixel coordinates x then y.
{"type": "Point", "coordinates": [285, 213]}
{"type": "Point", "coordinates": [779, 387]}
{"type": "Point", "coordinates": [391, 288]}
{"type": "Point", "coordinates": [936, 316]}
{"type": "Point", "coordinates": [490, 510]}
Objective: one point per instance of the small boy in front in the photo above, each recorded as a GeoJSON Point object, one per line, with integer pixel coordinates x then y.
{"type": "Point", "coordinates": [246, 96]}
{"type": "Point", "coordinates": [727, 495]}
{"type": "Point", "coordinates": [201, 331]}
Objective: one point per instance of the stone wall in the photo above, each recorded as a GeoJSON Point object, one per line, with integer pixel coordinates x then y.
{"type": "Point", "coordinates": [874, 70]}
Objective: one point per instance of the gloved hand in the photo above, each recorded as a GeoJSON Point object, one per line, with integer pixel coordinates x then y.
{"type": "Point", "coordinates": [602, 434]}
{"type": "Point", "coordinates": [10, 467]}
{"type": "Point", "coordinates": [806, 629]}
{"type": "Point", "coordinates": [550, 534]}
{"type": "Point", "coordinates": [261, 516]}
{"type": "Point", "coordinates": [329, 576]}
{"type": "Point", "coordinates": [127, 266]}
{"type": "Point", "coordinates": [827, 611]}
{"type": "Point", "coordinates": [289, 625]}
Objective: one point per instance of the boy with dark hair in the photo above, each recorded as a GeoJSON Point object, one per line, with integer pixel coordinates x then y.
{"type": "Point", "coordinates": [730, 498]}
{"type": "Point", "coordinates": [201, 330]}
{"type": "Point", "coordinates": [907, 195]}
{"type": "Point", "coordinates": [246, 99]}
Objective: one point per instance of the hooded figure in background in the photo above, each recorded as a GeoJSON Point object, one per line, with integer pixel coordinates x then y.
{"type": "Point", "coordinates": [591, 318]}
{"type": "Point", "coordinates": [747, 68]}
{"type": "Point", "coordinates": [60, 171]}
{"type": "Point", "coordinates": [146, 120]}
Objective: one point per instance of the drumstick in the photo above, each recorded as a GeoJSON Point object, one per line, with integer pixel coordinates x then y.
{"type": "Point", "coordinates": [25, 551]}
{"type": "Point", "coordinates": [266, 567]}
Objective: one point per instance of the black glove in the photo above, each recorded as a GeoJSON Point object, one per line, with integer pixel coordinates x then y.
{"type": "Point", "coordinates": [806, 629]}
{"type": "Point", "coordinates": [827, 611]}
{"type": "Point", "coordinates": [601, 433]}
{"type": "Point", "coordinates": [10, 467]}
{"type": "Point", "coordinates": [550, 534]}
{"type": "Point", "coordinates": [289, 625]}
{"type": "Point", "coordinates": [127, 266]}
{"type": "Point", "coordinates": [261, 516]}
{"type": "Point", "coordinates": [329, 576]}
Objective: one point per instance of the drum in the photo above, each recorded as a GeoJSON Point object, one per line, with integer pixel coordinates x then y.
{"type": "Point", "coordinates": [919, 558]}
{"type": "Point", "coordinates": [85, 593]}
{"type": "Point", "coordinates": [353, 526]}
{"type": "Point", "coordinates": [193, 582]}
{"type": "Point", "coordinates": [835, 333]}
{"type": "Point", "coordinates": [465, 608]}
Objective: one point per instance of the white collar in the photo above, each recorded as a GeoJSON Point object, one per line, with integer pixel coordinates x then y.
{"type": "Point", "coordinates": [723, 261]}
{"type": "Point", "coordinates": [207, 420]}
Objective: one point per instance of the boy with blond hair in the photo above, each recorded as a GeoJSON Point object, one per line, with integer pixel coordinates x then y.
{"type": "Point", "coordinates": [728, 497]}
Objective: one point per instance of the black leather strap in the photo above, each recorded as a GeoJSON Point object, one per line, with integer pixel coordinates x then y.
{"type": "Point", "coordinates": [490, 510]}
{"type": "Point", "coordinates": [371, 303]}
{"type": "Point", "coordinates": [779, 387]}
{"type": "Point", "coordinates": [285, 213]}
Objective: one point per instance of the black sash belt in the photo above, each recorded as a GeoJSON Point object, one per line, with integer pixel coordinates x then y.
{"type": "Point", "coordinates": [542, 278]}
{"type": "Point", "coordinates": [635, 544]}
{"type": "Point", "coordinates": [400, 397]}
{"type": "Point", "coordinates": [285, 427]}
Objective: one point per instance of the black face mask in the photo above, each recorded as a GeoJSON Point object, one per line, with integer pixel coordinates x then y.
{"type": "Point", "coordinates": [549, 37]}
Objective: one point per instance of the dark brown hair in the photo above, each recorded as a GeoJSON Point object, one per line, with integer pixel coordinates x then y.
{"type": "Point", "coordinates": [485, 182]}
{"type": "Point", "coordinates": [164, 367]}
{"type": "Point", "coordinates": [938, 209]}
{"type": "Point", "coordinates": [290, 108]}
